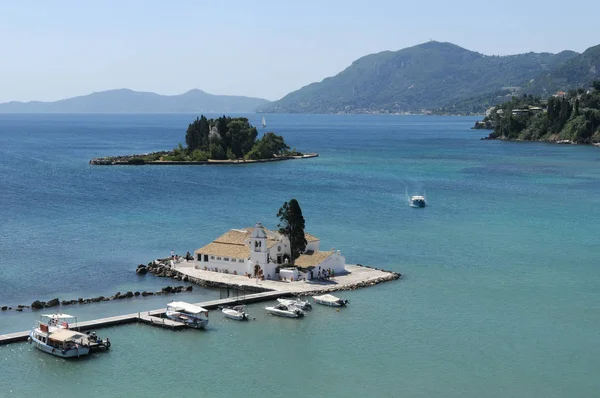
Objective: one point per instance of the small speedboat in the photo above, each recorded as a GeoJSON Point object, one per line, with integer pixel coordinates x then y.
{"type": "Point", "coordinates": [189, 314]}
{"type": "Point", "coordinates": [53, 334]}
{"type": "Point", "coordinates": [285, 311]}
{"type": "Point", "coordinates": [236, 313]}
{"type": "Point", "coordinates": [303, 305]}
{"type": "Point", "coordinates": [417, 201]}
{"type": "Point", "coordinates": [330, 300]}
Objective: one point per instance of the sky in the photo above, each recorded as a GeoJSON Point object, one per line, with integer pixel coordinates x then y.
{"type": "Point", "coordinates": [51, 50]}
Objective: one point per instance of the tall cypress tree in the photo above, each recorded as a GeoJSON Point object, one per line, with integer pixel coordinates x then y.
{"type": "Point", "coordinates": [292, 226]}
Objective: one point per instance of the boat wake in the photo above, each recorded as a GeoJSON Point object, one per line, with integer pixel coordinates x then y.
{"type": "Point", "coordinates": [414, 200]}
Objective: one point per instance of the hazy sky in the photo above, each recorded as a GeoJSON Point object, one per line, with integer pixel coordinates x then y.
{"type": "Point", "coordinates": [57, 49]}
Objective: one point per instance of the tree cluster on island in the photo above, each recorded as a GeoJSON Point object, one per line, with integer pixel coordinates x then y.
{"type": "Point", "coordinates": [229, 138]}
{"type": "Point", "coordinates": [221, 139]}
{"type": "Point", "coordinates": [572, 117]}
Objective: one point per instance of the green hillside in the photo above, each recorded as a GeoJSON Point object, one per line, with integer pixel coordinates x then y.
{"type": "Point", "coordinates": [579, 71]}
{"type": "Point", "coordinates": [572, 118]}
{"type": "Point", "coordinates": [427, 76]}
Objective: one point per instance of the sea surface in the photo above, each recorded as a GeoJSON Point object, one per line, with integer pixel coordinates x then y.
{"type": "Point", "coordinates": [500, 295]}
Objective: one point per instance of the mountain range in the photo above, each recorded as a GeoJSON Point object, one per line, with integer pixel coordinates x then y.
{"type": "Point", "coordinates": [129, 101]}
{"type": "Point", "coordinates": [434, 75]}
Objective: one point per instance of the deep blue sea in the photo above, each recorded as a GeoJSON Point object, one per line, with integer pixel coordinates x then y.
{"type": "Point", "coordinates": [501, 288]}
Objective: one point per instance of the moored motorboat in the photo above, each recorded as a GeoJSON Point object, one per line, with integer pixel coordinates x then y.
{"type": "Point", "coordinates": [285, 311]}
{"type": "Point", "coordinates": [330, 300]}
{"type": "Point", "coordinates": [303, 305]}
{"type": "Point", "coordinates": [236, 313]}
{"type": "Point", "coordinates": [191, 315]}
{"type": "Point", "coordinates": [417, 201]}
{"type": "Point", "coordinates": [52, 334]}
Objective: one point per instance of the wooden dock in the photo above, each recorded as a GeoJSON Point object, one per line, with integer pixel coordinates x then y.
{"type": "Point", "coordinates": [154, 317]}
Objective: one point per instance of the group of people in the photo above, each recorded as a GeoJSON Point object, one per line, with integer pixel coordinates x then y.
{"type": "Point", "coordinates": [177, 258]}
{"type": "Point", "coordinates": [326, 274]}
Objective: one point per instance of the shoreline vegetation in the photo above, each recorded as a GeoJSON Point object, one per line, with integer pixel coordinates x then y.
{"type": "Point", "coordinates": [565, 118]}
{"type": "Point", "coordinates": [224, 140]}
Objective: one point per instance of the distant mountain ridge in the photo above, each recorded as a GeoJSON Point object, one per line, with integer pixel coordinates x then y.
{"type": "Point", "coordinates": [129, 101]}
{"type": "Point", "coordinates": [426, 76]}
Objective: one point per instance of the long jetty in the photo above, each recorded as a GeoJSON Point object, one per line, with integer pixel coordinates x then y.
{"type": "Point", "coordinates": [153, 317]}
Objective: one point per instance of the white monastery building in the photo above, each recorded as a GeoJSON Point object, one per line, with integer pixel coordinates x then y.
{"type": "Point", "coordinates": [251, 250]}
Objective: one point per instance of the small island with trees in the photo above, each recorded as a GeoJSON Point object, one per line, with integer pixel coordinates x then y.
{"type": "Point", "coordinates": [224, 140]}
{"type": "Point", "coordinates": [565, 118]}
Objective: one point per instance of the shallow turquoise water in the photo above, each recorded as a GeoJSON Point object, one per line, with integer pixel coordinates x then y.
{"type": "Point", "coordinates": [500, 294]}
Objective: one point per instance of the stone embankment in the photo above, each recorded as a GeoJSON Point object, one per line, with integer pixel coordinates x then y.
{"type": "Point", "coordinates": [38, 305]}
{"type": "Point", "coordinates": [392, 276]}
{"type": "Point", "coordinates": [359, 276]}
{"type": "Point", "coordinates": [160, 268]}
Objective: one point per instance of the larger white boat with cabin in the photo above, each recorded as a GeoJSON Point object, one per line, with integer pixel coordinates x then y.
{"type": "Point", "coordinates": [285, 311]}
{"type": "Point", "coordinates": [52, 334]}
{"type": "Point", "coordinates": [238, 313]}
{"type": "Point", "coordinates": [330, 300]}
{"type": "Point", "coordinates": [303, 305]}
{"type": "Point", "coordinates": [191, 315]}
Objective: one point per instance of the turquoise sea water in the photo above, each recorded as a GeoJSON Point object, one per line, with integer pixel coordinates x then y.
{"type": "Point", "coordinates": [500, 295]}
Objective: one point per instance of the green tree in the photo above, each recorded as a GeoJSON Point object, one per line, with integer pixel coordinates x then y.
{"type": "Point", "coordinates": [216, 150]}
{"type": "Point", "coordinates": [230, 155]}
{"type": "Point", "coordinates": [199, 155]}
{"type": "Point", "coordinates": [241, 136]}
{"type": "Point", "coordinates": [269, 146]}
{"type": "Point", "coordinates": [196, 136]}
{"type": "Point", "coordinates": [292, 226]}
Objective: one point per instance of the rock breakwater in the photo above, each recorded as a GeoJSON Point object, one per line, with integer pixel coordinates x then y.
{"type": "Point", "coordinates": [38, 304]}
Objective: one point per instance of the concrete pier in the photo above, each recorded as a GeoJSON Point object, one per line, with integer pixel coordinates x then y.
{"type": "Point", "coordinates": [152, 317]}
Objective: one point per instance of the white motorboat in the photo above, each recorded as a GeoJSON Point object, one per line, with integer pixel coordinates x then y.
{"type": "Point", "coordinates": [417, 201]}
{"type": "Point", "coordinates": [192, 315]}
{"type": "Point", "coordinates": [236, 313]}
{"type": "Point", "coordinates": [52, 334]}
{"type": "Point", "coordinates": [330, 300]}
{"type": "Point", "coordinates": [303, 305]}
{"type": "Point", "coordinates": [285, 311]}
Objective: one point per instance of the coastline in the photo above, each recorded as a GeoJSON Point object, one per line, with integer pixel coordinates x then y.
{"type": "Point", "coordinates": [546, 141]}
{"type": "Point", "coordinates": [127, 161]}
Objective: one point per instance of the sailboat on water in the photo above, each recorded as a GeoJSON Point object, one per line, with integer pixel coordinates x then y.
{"type": "Point", "coordinates": [263, 122]}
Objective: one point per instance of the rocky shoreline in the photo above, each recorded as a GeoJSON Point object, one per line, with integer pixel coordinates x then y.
{"type": "Point", "coordinates": [135, 160]}
{"type": "Point", "coordinates": [545, 141]}
{"type": "Point", "coordinates": [38, 305]}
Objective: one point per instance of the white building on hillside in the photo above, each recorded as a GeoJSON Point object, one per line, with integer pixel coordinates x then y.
{"type": "Point", "coordinates": [250, 250]}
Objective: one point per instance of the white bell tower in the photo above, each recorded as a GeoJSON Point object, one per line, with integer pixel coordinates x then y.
{"type": "Point", "coordinates": [259, 252]}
